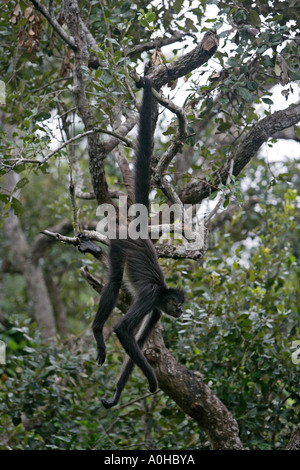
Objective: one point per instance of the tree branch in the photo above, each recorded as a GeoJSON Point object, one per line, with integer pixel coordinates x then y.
{"type": "Point", "coordinates": [196, 191]}
{"type": "Point", "coordinates": [222, 197]}
{"type": "Point", "coordinates": [294, 443]}
{"type": "Point", "coordinates": [187, 63]}
{"type": "Point", "coordinates": [180, 138]}
{"type": "Point", "coordinates": [54, 23]}
{"type": "Point", "coordinates": [91, 234]}
{"type": "Point", "coordinates": [192, 395]}
{"type": "Point", "coordinates": [96, 148]}
{"type": "Point", "coordinates": [148, 46]}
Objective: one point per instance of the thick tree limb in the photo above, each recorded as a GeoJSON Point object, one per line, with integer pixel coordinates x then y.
{"type": "Point", "coordinates": [196, 399]}
{"type": "Point", "coordinates": [163, 250]}
{"type": "Point", "coordinates": [187, 63]}
{"type": "Point", "coordinates": [196, 191]}
{"type": "Point", "coordinates": [294, 443]}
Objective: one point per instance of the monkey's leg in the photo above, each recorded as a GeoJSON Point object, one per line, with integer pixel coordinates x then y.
{"type": "Point", "coordinates": [129, 363]}
{"type": "Point", "coordinates": [107, 302]}
{"type": "Point", "coordinates": [124, 330]}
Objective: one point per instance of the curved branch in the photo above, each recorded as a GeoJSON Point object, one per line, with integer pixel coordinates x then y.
{"type": "Point", "coordinates": [81, 136]}
{"type": "Point", "coordinates": [187, 63]}
{"type": "Point", "coordinates": [180, 138]}
{"type": "Point", "coordinates": [196, 191]}
{"type": "Point", "coordinates": [195, 398]}
{"type": "Point", "coordinates": [294, 443]}
{"type": "Point", "coordinates": [54, 23]}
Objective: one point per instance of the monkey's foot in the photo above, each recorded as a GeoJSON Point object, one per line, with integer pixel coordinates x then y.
{"type": "Point", "coordinates": [113, 401]}
{"type": "Point", "coordinates": [153, 385]}
{"type": "Point", "coordinates": [108, 404]}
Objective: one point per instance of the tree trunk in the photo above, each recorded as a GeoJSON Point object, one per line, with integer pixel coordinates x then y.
{"type": "Point", "coordinates": [19, 258]}
{"type": "Point", "coordinates": [195, 398]}
{"type": "Point", "coordinates": [294, 443]}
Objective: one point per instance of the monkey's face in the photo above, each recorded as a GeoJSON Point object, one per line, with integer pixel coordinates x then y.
{"type": "Point", "coordinates": [174, 309]}
{"type": "Point", "coordinates": [172, 304]}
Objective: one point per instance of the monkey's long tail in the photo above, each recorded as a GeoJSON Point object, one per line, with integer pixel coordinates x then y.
{"type": "Point", "coordinates": [144, 146]}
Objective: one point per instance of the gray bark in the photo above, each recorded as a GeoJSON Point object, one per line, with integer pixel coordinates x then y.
{"type": "Point", "coordinates": [196, 191]}
{"type": "Point", "coordinates": [294, 443]}
{"type": "Point", "coordinates": [20, 257]}
{"type": "Point", "coordinates": [194, 397]}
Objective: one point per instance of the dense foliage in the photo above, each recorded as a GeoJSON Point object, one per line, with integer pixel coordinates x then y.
{"type": "Point", "coordinates": [50, 396]}
{"type": "Point", "coordinates": [243, 306]}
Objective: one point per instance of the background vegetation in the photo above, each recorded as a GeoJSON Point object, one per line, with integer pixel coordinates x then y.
{"type": "Point", "coordinates": [243, 306]}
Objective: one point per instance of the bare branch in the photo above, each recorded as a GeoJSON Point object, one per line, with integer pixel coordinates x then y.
{"type": "Point", "coordinates": [123, 129]}
{"type": "Point", "coordinates": [92, 280]}
{"type": "Point", "coordinates": [92, 234]}
{"type": "Point", "coordinates": [81, 136]}
{"type": "Point", "coordinates": [221, 199]}
{"type": "Point", "coordinates": [180, 137]}
{"type": "Point", "coordinates": [15, 162]}
{"type": "Point", "coordinates": [148, 46]}
{"type": "Point", "coordinates": [62, 238]}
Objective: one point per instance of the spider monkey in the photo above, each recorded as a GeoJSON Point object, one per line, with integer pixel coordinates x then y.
{"type": "Point", "coordinates": [137, 259]}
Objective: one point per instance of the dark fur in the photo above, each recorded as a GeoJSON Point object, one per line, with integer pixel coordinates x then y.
{"type": "Point", "coordinates": [139, 260]}
{"type": "Point", "coordinates": [87, 246]}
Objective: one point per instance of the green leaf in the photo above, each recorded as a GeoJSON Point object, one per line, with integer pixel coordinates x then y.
{"type": "Point", "coordinates": [297, 132]}
{"type": "Point", "coordinates": [21, 183]}
{"type": "Point", "coordinates": [245, 94]}
{"type": "Point", "coordinates": [43, 116]}
{"type": "Point", "coordinates": [255, 18]}
{"type": "Point", "coordinates": [226, 202]}
{"type": "Point", "coordinates": [213, 195]}
{"type": "Point", "coordinates": [17, 207]}
{"type": "Point", "coordinates": [224, 126]}
{"type": "Point", "coordinates": [267, 101]}
{"type": "Point", "coordinates": [233, 62]}
{"type": "Point", "coordinates": [4, 198]}
{"type": "Point", "coordinates": [177, 5]}
{"type": "Point", "coordinates": [169, 131]}
{"type": "Point", "coordinates": [280, 308]}
{"type": "Point", "coordinates": [151, 16]}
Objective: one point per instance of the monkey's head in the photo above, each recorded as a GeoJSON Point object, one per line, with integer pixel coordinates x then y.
{"type": "Point", "coordinates": [172, 300]}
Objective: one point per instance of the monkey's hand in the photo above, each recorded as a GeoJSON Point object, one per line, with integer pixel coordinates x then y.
{"type": "Point", "coordinates": [101, 349]}
{"type": "Point", "coordinates": [101, 354]}
{"type": "Point", "coordinates": [87, 246]}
